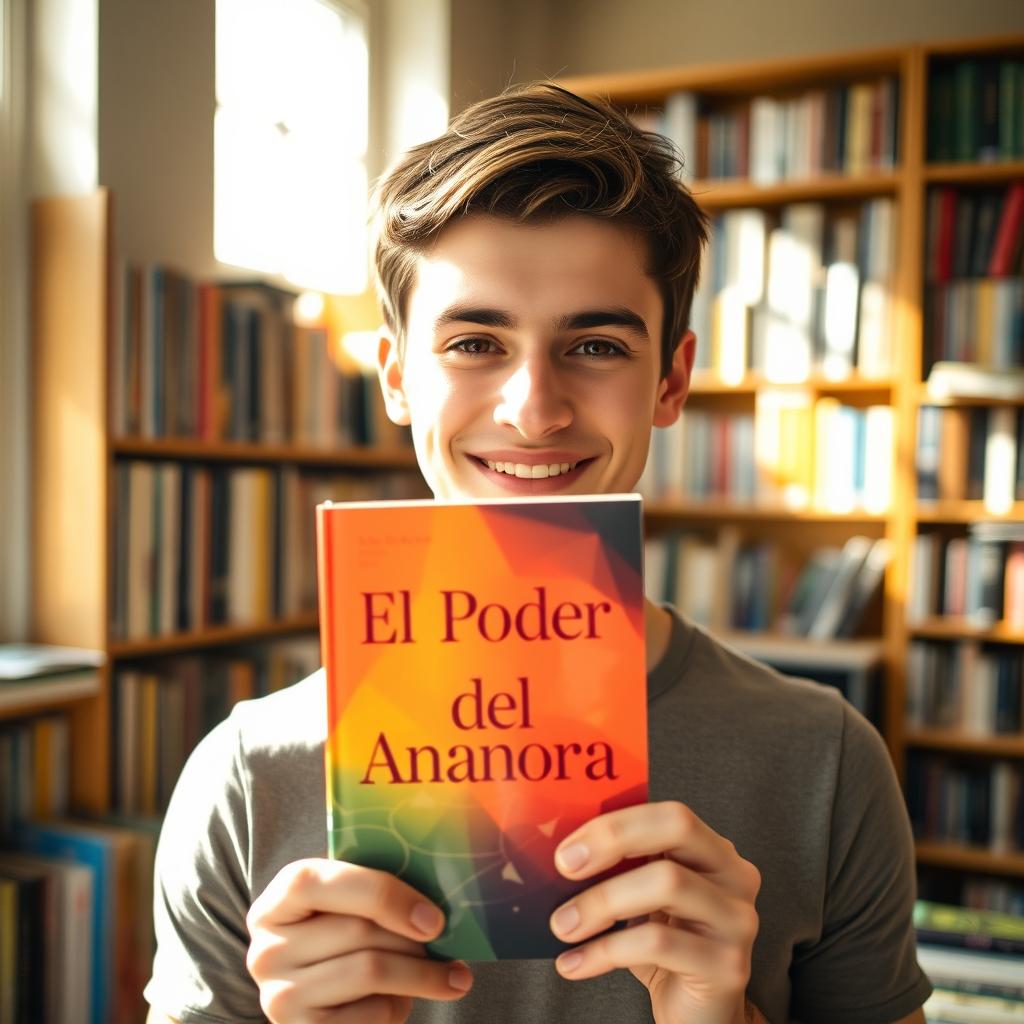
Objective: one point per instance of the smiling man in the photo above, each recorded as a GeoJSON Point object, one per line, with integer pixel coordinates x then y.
{"type": "Point", "coordinates": [536, 266]}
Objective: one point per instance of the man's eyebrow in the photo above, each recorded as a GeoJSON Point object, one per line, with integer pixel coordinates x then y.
{"type": "Point", "coordinates": [616, 316]}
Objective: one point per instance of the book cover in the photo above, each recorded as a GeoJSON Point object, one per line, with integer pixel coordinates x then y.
{"type": "Point", "coordinates": [486, 696]}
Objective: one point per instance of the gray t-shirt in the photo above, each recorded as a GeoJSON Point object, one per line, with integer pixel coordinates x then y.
{"type": "Point", "coordinates": [786, 769]}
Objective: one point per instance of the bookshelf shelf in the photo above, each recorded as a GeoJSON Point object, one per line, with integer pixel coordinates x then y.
{"type": "Point", "coordinates": [188, 450]}
{"type": "Point", "coordinates": [724, 194]}
{"type": "Point", "coordinates": [970, 858]}
{"type": "Point", "coordinates": [40, 696]}
{"type": "Point", "coordinates": [794, 650]}
{"type": "Point", "coordinates": [215, 636]}
{"type": "Point", "coordinates": [665, 513]}
{"type": "Point", "coordinates": [1003, 745]}
{"type": "Point", "coordinates": [706, 385]}
{"type": "Point", "coordinates": [964, 512]}
{"type": "Point", "coordinates": [950, 628]}
{"type": "Point", "coordinates": [925, 398]}
{"type": "Point", "coordinates": [995, 173]}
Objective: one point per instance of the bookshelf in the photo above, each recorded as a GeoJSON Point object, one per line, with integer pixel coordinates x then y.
{"type": "Point", "coordinates": [75, 296]}
{"type": "Point", "coordinates": [723, 90]}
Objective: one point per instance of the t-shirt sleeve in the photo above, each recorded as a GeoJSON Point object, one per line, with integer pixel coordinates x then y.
{"type": "Point", "coordinates": [863, 967]}
{"type": "Point", "coordinates": [202, 891]}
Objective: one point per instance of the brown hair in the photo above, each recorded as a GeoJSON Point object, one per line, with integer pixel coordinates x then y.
{"type": "Point", "coordinates": [535, 153]}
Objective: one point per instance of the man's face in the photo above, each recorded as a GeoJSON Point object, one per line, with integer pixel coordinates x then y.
{"type": "Point", "coordinates": [532, 360]}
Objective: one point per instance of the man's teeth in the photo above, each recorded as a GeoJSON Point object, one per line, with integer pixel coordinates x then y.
{"type": "Point", "coordinates": [531, 472]}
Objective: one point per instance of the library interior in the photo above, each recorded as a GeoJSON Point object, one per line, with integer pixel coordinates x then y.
{"type": "Point", "coordinates": [189, 334]}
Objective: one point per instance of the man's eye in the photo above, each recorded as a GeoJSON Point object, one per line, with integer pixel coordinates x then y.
{"type": "Point", "coordinates": [597, 347]}
{"type": "Point", "coordinates": [472, 346]}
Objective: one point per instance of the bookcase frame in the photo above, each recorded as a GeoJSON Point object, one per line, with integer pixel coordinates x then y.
{"type": "Point", "coordinates": [907, 185]}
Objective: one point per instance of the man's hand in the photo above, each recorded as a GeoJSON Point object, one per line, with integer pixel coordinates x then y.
{"type": "Point", "coordinates": [695, 903]}
{"type": "Point", "coordinates": [333, 941]}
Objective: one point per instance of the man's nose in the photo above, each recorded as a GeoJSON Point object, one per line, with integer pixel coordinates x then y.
{"type": "Point", "coordinates": [534, 399]}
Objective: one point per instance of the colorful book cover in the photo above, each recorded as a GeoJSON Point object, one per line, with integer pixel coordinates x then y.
{"type": "Point", "coordinates": [486, 696]}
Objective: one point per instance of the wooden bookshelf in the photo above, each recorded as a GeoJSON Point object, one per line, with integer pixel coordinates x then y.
{"type": "Point", "coordinates": [955, 741]}
{"type": "Point", "coordinates": [907, 184]}
{"type": "Point", "coordinates": [951, 628]}
{"type": "Point", "coordinates": [74, 469]}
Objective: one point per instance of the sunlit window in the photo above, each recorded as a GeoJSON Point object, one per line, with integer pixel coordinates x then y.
{"type": "Point", "coordinates": [290, 182]}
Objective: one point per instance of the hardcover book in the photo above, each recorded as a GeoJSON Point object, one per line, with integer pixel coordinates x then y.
{"type": "Point", "coordinates": [486, 687]}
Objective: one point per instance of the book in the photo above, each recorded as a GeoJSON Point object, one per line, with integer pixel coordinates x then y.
{"type": "Point", "coordinates": [946, 925]}
{"type": "Point", "coordinates": [964, 380]}
{"type": "Point", "coordinates": [28, 661]}
{"type": "Point", "coordinates": [486, 690]}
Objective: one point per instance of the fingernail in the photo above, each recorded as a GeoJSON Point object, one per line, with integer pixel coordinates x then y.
{"type": "Point", "coordinates": [460, 978]}
{"type": "Point", "coordinates": [566, 919]}
{"type": "Point", "coordinates": [426, 918]}
{"type": "Point", "coordinates": [568, 962]}
{"type": "Point", "coordinates": [572, 858]}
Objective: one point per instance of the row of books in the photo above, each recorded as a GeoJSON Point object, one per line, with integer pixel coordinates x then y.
{"type": "Point", "coordinates": [979, 577]}
{"type": "Point", "coordinates": [206, 545]}
{"type": "Point", "coordinates": [975, 960]}
{"type": "Point", "coordinates": [976, 109]}
{"type": "Point", "coordinates": [795, 451]}
{"type": "Point", "coordinates": [161, 711]}
{"type": "Point", "coordinates": [725, 584]}
{"type": "Point", "coordinates": [971, 453]}
{"type": "Point", "coordinates": [964, 686]}
{"type": "Point", "coordinates": [971, 891]}
{"type": "Point", "coordinates": [76, 902]}
{"type": "Point", "coordinates": [801, 292]}
{"type": "Point", "coordinates": [975, 322]}
{"type": "Point", "coordinates": [34, 766]}
{"type": "Point", "coordinates": [973, 234]}
{"type": "Point", "coordinates": [849, 128]}
{"type": "Point", "coordinates": [229, 363]}
{"type": "Point", "coordinates": [961, 802]}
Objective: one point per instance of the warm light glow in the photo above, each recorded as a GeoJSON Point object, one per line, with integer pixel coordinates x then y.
{"type": "Point", "coordinates": [361, 348]}
{"type": "Point", "coordinates": [290, 138]}
{"type": "Point", "coordinates": [309, 308]}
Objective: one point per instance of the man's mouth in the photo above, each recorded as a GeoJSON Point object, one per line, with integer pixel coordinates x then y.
{"type": "Point", "coordinates": [525, 472]}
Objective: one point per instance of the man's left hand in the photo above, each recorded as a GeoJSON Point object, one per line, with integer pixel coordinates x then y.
{"type": "Point", "coordinates": [691, 911]}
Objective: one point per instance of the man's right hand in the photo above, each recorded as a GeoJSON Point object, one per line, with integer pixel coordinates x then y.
{"type": "Point", "coordinates": [331, 941]}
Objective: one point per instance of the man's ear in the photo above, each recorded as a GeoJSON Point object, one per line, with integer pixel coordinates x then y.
{"type": "Point", "coordinates": [675, 385]}
{"type": "Point", "coordinates": [389, 373]}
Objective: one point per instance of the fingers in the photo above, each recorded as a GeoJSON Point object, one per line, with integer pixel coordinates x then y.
{"type": "Point", "coordinates": [311, 886]}
{"type": "Point", "coordinates": [275, 949]}
{"type": "Point", "coordinates": [372, 1010]}
{"type": "Point", "coordinates": [660, 885]}
{"type": "Point", "coordinates": [668, 828]}
{"type": "Point", "coordinates": [714, 965]}
{"type": "Point", "coordinates": [363, 973]}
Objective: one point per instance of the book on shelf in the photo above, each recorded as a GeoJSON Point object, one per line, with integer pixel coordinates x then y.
{"type": "Point", "coordinates": [444, 629]}
{"type": "Point", "coordinates": [31, 661]}
{"type": "Point", "coordinates": [161, 709]}
{"type": "Point", "coordinates": [229, 362]}
{"type": "Point", "coordinates": [939, 924]}
{"type": "Point", "coordinates": [209, 545]}
{"type": "Point", "coordinates": [725, 584]}
{"type": "Point", "coordinates": [971, 454]}
{"type": "Point", "coordinates": [845, 128]}
{"type": "Point", "coordinates": [46, 958]}
{"type": "Point", "coordinates": [964, 687]}
{"type": "Point", "coordinates": [950, 380]}
{"type": "Point", "coordinates": [979, 804]}
{"type": "Point", "coordinates": [974, 109]}
{"type": "Point", "coordinates": [800, 292]}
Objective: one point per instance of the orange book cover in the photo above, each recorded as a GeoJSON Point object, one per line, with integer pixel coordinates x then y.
{"type": "Point", "coordinates": [486, 695]}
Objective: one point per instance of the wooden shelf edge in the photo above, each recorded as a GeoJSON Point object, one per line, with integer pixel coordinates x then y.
{"type": "Point", "coordinates": [998, 745]}
{"type": "Point", "coordinates": [706, 384]}
{"type": "Point", "coordinates": [965, 512]}
{"type": "Point", "coordinates": [948, 628]}
{"type": "Point", "coordinates": [805, 653]}
{"type": "Point", "coordinates": [725, 193]}
{"type": "Point", "coordinates": [236, 451]}
{"type": "Point", "coordinates": [971, 171]}
{"type": "Point", "coordinates": [215, 636]}
{"type": "Point", "coordinates": [34, 697]}
{"type": "Point", "coordinates": [969, 858]}
{"type": "Point", "coordinates": [667, 511]}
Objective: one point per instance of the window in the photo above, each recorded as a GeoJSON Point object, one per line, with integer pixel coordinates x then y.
{"type": "Point", "coordinates": [290, 139]}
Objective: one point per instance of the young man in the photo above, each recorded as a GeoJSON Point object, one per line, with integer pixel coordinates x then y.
{"type": "Point", "coordinates": [536, 265]}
